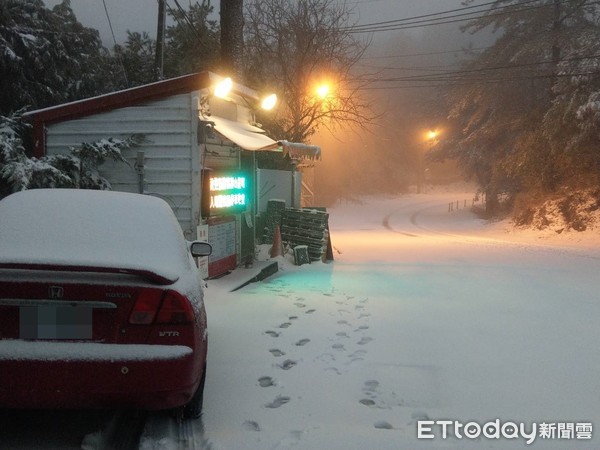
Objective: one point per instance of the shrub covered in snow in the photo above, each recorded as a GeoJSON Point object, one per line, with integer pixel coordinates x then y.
{"type": "Point", "coordinates": [78, 169]}
{"type": "Point", "coordinates": [576, 211]}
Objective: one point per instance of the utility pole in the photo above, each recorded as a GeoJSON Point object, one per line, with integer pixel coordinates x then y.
{"type": "Point", "coordinates": [160, 40]}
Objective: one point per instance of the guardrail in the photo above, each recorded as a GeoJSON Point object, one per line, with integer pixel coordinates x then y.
{"type": "Point", "coordinates": [456, 205]}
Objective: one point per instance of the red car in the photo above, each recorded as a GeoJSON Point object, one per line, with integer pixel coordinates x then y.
{"type": "Point", "coordinates": [101, 303]}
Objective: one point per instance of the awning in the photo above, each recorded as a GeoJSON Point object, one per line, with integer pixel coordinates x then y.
{"type": "Point", "coordinates": [300, 151]}
{"type": "Point", "coordinates": [246, 136]}
{"type": "Point", "coordinates": [252, 138]}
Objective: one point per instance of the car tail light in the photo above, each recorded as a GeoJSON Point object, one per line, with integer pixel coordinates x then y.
{"type": "Point", "coordinates": [146, 307]}
{"type": "Point", "coordinates": [175, 309]}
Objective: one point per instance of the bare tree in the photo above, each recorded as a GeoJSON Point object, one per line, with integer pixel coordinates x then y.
{"type": "Point", "coordinates": [295, 47]}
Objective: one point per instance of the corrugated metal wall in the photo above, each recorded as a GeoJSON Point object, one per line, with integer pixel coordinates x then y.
{"type": "Point", "coordinates": [171, 152]}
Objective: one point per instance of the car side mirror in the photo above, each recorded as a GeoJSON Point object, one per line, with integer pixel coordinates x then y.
{"type": "Point", "coordinates": [200, 248]}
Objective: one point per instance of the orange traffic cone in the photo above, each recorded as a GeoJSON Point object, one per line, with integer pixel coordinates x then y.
{"type": "Point", "coordinates": [277, 248]}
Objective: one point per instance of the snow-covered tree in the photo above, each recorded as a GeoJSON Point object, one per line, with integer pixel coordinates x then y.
{"type": "Point", "coordinates": [137, 57]}
{"type": "Point", "coordinates": [78, 169]}
{"type": "Point", "coordinates": [48, 57]}
{"type": "Point", "coordinates": [192, 42]}
{"type": "Point", "coordinates": [511, 103]}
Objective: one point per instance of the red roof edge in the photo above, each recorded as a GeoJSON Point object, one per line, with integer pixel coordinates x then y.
{"type": "Point", "coordinates": [128, 97]}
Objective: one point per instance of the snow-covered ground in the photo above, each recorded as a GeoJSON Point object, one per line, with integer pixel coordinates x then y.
{"type": "Point", "coordinates": [425, 315]}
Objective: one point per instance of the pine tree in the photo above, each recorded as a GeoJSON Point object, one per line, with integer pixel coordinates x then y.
{"type": "Point", "coordinates": [137, 57]}
{"type": "Point", "coordinates": [47, 57]}
{"type": "Point", "coordinates": [506, 100]}
{"type": "Point", "coordinates": [193, 42]}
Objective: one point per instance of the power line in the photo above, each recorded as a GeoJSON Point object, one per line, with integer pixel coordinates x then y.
{"type": "Point", "coordinates": [186, 18]}
{"type": "Point", "coordinates": [408, 23]}
{"type": "Point", "coordinates": [406, 19]}
{"type": "Point", "coordinates": [450, 78]}
{"type": "Point", "coordinates": [445, 52]}
{"type": "Point", "coordinates": [459, 81]}
{"type": "Point", "coordinates": [115, 41]}
{"type": "Point", "coordinates": [425, 77]}
{"type": "Point", "coordinates": [458, 78]}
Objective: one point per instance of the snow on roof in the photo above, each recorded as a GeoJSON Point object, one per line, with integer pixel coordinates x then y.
{"type": "Point", "coordinates": [95, 229]}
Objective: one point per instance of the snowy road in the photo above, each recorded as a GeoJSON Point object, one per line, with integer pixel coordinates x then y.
{"type": "Point", "coordinates": [426, 315]}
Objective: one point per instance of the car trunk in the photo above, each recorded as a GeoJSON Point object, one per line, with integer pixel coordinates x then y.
{"type": "Point", "coordinates": [92, 307]}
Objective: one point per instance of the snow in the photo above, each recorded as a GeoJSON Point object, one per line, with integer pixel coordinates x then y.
{"type": "Point", "coordinates": [122, 230]}
{"type": "Point", "coordinates": [425, 314]}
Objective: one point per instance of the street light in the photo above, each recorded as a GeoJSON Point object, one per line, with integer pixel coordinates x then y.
{"type": "Point", "coordinates": [430, 137]}
{"type": "Point", "coordinates": [323, 91]}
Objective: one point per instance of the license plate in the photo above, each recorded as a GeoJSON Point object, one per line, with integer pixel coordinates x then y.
{"type": "Point", "coordinates": [55, 322]}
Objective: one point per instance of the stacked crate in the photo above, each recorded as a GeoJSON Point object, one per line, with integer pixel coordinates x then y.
{"type": "Point", "coordinates": [306, 227]}
{"type": "Point", "coordinates": [275, 209]}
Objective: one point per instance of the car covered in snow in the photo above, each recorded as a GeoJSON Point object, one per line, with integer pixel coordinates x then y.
{"type": "Point", "coordinates": [101, 303]}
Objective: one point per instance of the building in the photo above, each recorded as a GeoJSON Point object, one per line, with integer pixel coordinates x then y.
{"type": "Point", "coordinates": [197, 154]}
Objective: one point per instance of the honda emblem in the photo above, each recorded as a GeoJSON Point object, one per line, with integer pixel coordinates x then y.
{"type": "Point", "coordinates": [55, 292]}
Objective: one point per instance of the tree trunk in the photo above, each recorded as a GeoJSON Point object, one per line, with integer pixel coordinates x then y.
{"type": "Point", "coordinates": [232, 38]}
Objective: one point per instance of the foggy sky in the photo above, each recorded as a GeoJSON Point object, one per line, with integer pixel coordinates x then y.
{"type": "Point", "coordinates": [141, 15]}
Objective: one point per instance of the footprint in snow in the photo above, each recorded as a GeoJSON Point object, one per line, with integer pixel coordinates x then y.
{"type": "Point", "coordinates": [364, 340]}
{"type": "Point", "coordinates": [266, 382]}
{"type": "Point", "coordinates": [279, 400]}
{"type": "Point", "coordinates": [366, 402]}
{"type": "Point", "coordinates": [302, 342]}
{"type": "Point", "coordinates": [310, 311]}
{"type": "Point", "coordinates": [285, 325]}
{"type": "Point", "coordinates": [339, 347]}
{"type": "Point", "coordinates": [251, 425]}
{"type": "Point", "coordinates": [342, 334]}
{"type": "Point", "coordinates": [292, 317]}
{"type": "Point", "coordinates": [287, 364]}
{"type": "Point", "coordinates": [276, 352]}
{"type": "Point", "coordinates": [272, 333]}
{"type": "Point", "coordinates": [371, 385]}
{"type": "Point", "coordinates": [362, 328]}
{"type": "Point", "coordinates": [300, 305]}
{"type": "Point", "coordinates": [383, 425]}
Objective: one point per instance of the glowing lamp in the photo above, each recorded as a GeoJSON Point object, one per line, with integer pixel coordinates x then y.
{"type": "Point", "coordinates": [223, 87]}
{"type": "Point", "coordinates": [323, 91]}
{"type": "Point", "coordinates": [269, 102]}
